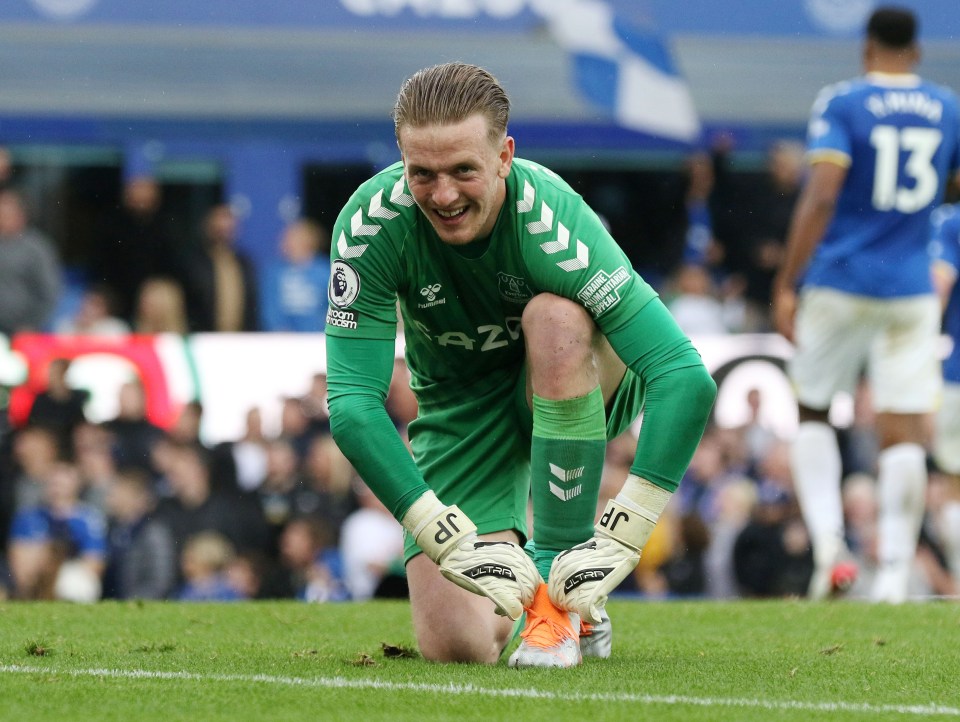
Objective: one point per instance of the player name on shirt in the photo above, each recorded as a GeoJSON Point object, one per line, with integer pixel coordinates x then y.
{"type": "Point", "coordinates": [915, 102]}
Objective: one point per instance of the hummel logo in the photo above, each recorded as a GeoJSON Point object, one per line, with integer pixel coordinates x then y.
{"type": "Point", "coordinates": [565, 494]}
{"type": "Point", "coordinates": [430, 291]}
{"type": "Point", "coordinates": [566, 475]}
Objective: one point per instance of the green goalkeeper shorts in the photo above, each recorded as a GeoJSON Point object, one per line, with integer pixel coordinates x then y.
{"type": "Point", "coordinates": [476, 454]}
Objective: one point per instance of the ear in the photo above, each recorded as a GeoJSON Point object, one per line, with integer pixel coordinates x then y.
{"type": "Point", "coordinates": [506, 156]}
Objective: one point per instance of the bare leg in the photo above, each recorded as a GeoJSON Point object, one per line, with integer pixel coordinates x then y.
{"type": "Point", "coordinates": [450, 623]}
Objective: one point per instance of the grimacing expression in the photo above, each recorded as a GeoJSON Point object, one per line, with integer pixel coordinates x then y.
{"type": "Point", "coordinates": [457, 176]}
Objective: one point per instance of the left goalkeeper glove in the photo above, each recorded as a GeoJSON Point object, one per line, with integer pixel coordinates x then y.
{"type": "Point", "coordinates": [498, 570]}
{"type": "Point", "coordinates": [581, 578]}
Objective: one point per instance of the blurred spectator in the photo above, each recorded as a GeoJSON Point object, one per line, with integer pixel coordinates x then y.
{"type": "Point", "coordinates": [133, 244]}
{"type": "Point", "coordinates": [203, 562]}
{"type": "Point", "coordinates": [195, 506]}
{"type": "Point", "coordinates": [221, 285]}
{"type": "Point", "coordinates": [249, 574]}
{"type": "Point", "coordinates": [60, 529]}
{"type": "Point", "coordinates": [646, 578]}
{"type": "Point", "coordinates": [329, 494]}
{"type": "Point", "coordinates": [732, 509]}
{"type": "Point", "coordinates": [134, 436]}
{"type": "Point", "coordinates": [142, 561]}
{"type": "Point", "coordinates": [712, 466]}
{"type": "Point", "coordinates": [751, 219]}
{"type": "Point", "coordinates": [186, 428]}
{"type": "Point", "coordinates": [294, 290]}
{"type": "Point", "coordinates": [694, 302]}
{"type": "Point", "coordinates": [773, 208]}
{"type": "Point", "coordinates": [282, 488]}
{"type": "Point", "coordinates": [684, 571]}
{"type": "Point", "coordinates": [35, 452]}
{"type": "Point", "coordinates": [700, 247]}
{"type": "Point", "coordinates": [758, 436]}
{"type": "Point", "coordinates": [29, 270]}
{"type": "Point", "coordinates": [772, 556]}
{"type": "Point", "coordinates": [96, 315]}
{"type": "Point", "coordinates": [859, 493]}
{"type": "Point", "coordinates": [59, 407]}
{"type": "Point", "coordinates": [371, 540]}
{"type": "Point", "coordinates": [160, 307]}
{"type": "Point", "coordinates": [242, 464]}
{"type": "Point", "coordinates": [295, 424]}
{"type": "Point", "coordinates": [313, 404]}
{"type": "Point", "coordinates": [312, 560]}
{"type": "Point", "coordinates": [93, 455]}
{"type": "Point", "coordinates": [6, 168]}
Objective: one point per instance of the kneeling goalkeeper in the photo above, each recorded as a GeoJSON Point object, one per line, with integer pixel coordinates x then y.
{"type": "Point", "coordinates": [530, 341]}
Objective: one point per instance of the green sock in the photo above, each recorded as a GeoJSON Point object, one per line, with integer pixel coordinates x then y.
{"type": "Point", "coordinates": [566, 460]}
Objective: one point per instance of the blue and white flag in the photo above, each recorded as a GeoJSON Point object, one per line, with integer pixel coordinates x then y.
{"type": "Point", "coordinates": [623, 69]}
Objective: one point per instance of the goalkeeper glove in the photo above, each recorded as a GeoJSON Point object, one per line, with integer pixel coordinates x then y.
{"type": "Point", "coordinates": [583, 577]}
{"type": "Point", "coordinates": [498, 570]}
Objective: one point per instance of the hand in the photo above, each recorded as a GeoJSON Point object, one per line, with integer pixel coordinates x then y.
{"type": "Point", "coordinates": [498, 570]}
{"type": "Point", "coordinates": [583, 577]}
{"type": "Point", "coordinates": [784, 311]}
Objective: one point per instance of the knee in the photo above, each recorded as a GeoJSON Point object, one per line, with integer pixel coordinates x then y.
{"type": "Point", "coordinates": [553, 325]}
{"type": "Point", "coordinates": [456, 646]}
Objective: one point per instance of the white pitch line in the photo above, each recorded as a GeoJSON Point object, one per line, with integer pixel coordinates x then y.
{"type": "Point", "coordinates": [469, 689]}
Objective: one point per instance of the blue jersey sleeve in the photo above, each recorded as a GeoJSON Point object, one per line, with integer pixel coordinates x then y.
{"type": "Point", "coordinates": [828, 132]}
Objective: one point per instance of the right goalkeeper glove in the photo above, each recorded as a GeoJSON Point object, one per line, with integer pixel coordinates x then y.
{"type": "Point", "coordinates": [498, 570]}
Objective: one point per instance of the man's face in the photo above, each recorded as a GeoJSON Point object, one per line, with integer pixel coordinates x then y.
{"type": "Point", "coordinates": [457, 176]}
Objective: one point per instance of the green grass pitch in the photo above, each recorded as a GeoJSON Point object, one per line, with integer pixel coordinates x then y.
{"type": "Point", "coordinates": [690, 661]}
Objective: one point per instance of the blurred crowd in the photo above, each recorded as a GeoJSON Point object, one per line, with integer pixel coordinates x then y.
{"type": "Point", "coordinates": [717, 243]}
{"type": "Point", "coordinates": [124, 509]}
{"type": "Point", "coordinates": [141, 276]}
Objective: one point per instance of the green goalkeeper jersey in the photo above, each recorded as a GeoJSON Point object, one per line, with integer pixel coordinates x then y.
{"type": "Point", "coordinates": [461, 306]}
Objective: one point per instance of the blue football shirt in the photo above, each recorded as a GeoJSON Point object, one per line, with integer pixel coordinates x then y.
{"type": "Point", "coordinates": [899, 136]}
{"type": "Point", "coordinates": [945, 247]}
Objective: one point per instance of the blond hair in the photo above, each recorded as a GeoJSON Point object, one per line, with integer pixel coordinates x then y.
{"type": "Point", "coordinates": [210, 550]}
{"type": "Point", "coordinates": [450, 93]}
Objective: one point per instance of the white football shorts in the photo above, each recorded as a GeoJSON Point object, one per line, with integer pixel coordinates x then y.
{"type": "Point", "coordinates": [895, 341]}
{"type": "Point", "coordinates": [946, 445]}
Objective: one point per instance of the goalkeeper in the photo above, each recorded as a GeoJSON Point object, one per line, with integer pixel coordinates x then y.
{"type": "Point", "coordinates": [530, 341]}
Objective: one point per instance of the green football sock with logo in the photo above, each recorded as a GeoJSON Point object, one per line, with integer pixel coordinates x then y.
{"type": "Point", "coordinates": [566, 461]}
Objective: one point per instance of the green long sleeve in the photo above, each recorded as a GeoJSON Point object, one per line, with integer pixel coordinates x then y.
{"type": "Point", "coordinates": [679, 393]}
{"type": "Point", "coordinates": [358, 378]}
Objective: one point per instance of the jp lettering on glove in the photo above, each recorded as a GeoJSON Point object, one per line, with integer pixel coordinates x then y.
{"type": "Point", "coordinates": [498, 570]}
{"type": "Point", "coordinates": [582, 577]}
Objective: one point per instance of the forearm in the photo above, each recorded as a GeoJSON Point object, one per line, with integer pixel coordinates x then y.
{"type": "Point", "coordinates": [675, 413]}
{"type": "Point", "coordinates": [814, 211]}
{"type": "Point", "coordinates": [366, 435]}
{"type": "Point", "coordinates": [358, 377]}
{"type": "Point", "coordinates": [679, 394]}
